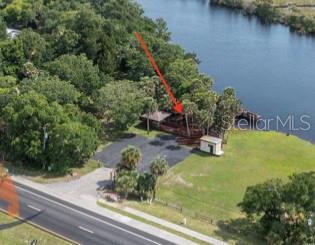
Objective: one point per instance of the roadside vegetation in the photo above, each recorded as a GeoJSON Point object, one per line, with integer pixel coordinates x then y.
{"type": "Point", "coordinates": [206, 190]}
{"type": "Point", "coordinates": [44, 177]}
{"type": "Point", "coordinates": [16, 232]}
{"type": "Point", "coordinates": [129, 181]}
{"type": "Point", "coordinates": [299, 15]}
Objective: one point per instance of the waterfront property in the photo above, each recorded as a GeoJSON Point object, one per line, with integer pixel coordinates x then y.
{"type": "Point", "coordinates": [207, 189]}
{"type": "Point", "coordinates": [271, 68]}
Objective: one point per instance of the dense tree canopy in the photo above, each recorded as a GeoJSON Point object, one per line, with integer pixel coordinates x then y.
{"type": "Point", "coordinates": [3, 31]}
{"type": "Point", "coordinates": [77, 60]}
{"type": "Point", "coordinates": [28, 117]}
{"type": "Point", "coordinates": [78, 70]}
{"type": "Point", "coordinates": [53, 88]}
{"type": "Point", "coordinates": [120, 103]}
{"type": "Point", "coordinates": [285, 211]}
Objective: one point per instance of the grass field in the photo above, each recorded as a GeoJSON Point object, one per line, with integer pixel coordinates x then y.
{"type": "Point", "coordinates": [23, 234]}
{"type": "Point", "coordinates": [212, 186]}
{"type": "Point", "coordinates": [44, 177]}
{"type": "Point", "coordinates": [139, 130]}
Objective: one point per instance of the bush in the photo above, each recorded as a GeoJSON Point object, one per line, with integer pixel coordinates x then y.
{"type": "Point", "coordinates": [283, 210]}
{"type": "Point", "coordinates": [126, 182]}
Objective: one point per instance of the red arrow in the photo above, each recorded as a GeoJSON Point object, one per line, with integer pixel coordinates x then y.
{"type": "Point", "coordinates": [178, 107]}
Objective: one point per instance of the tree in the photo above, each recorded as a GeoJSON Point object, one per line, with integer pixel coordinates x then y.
{"type": "Point", "coordinates": [7, 82]}
{"type": "Point", "coordinates": [34, 46]}
{"type": "Point", "coordinates": [150, 106]}
{"type": "Point", "coordinates": [181, 75]}
{"type": "Point", "coordinates": [65, 41]}
{"type": "Point", "coordinates": [70, 144]}
{"type": "Point", "coordinates": [79, 71]}
{"type": "Point", "coordinates": [146, 185]}
{"type": "Point", "coordinates": [265, 10]}
{"type": "Point", "coordinates": [53, 88]}
{"type": "Point", "coordinates": [130, 157]}
{"type": "Point", "coordinates": [120, 104]}
{"type": "Point", "coordinates": [190, 109]}
{"type": "Point", "coordinates": [152, 87]}
{"type": "Point", "coordinates": [162, 30]}
{"type": "Point", "coordinates": [159, 166]}
{"type": "Point", "coordinates": [29, 70]}
{"type": "Point", "coordinates": [283, 210]}
{"type": "Point", "coordinates": [21, 13]}
{"type": "Point", "coordinates": [207, 101]}
{"type": "Point", "coordinates": [226, 109]}
{"type": "Point", "coordinates": [3, 29]}
{"type": "Point", "coordinates": [40, 134]}
{"type": "Point", "coordinates": [126, 182]}
{"type": "Point", "coordinates": [12, 54]}
{"type": "Point", "coordinates": [24, 120]}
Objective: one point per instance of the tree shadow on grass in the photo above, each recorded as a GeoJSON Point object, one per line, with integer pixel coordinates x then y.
{"type": "Point", "coordinates": [18, 222]}
{"type": "Point", "coordinates": [240, 230]}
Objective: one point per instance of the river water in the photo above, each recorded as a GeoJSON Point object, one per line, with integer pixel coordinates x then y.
{"type": "Point", "coordinates": [271, 68]}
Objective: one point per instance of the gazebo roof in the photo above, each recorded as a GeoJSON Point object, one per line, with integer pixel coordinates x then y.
{"type": "Point", "coordinates": [157, 116]}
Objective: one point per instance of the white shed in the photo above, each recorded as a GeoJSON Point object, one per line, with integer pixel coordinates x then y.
{"type": "Point", "coordinates": [211, 145]}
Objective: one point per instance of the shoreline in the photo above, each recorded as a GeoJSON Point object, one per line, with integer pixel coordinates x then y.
{"type": "Point", "coordinates": [286, 14]}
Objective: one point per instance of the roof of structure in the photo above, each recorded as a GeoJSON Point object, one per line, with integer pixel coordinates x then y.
{"type": "Point", "coordinates": [12, 33]}
{"type": "Point", "coordinates": [211, 139]}
{"type": "Point", "coordinates": [157, 116]}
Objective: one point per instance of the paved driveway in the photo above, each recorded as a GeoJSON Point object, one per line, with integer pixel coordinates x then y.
{"type": "Point", "coordinates": [164, 145]}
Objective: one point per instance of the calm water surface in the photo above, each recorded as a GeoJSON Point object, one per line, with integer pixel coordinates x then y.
{"type": "Point", "coordinates": [272, 69]}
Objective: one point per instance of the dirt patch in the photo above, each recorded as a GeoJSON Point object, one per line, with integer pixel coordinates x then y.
{"type": "Point", "coordinates": [178, 180]}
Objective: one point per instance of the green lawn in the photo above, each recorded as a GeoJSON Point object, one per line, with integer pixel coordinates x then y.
{"type": "Point", "coordinates": [212, 186]}
{"type": "Point", "coordinates": [23, 234]}
{"type": "Point", "coordinates": [139, 129]}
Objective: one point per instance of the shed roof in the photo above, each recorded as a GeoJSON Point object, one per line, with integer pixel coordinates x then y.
{"type": "Point", "coordinates": [12, 33]}
{"type": "Point", "coordinates": [157, 116]}
{"type": "Point", "coordinates": [211, 139]}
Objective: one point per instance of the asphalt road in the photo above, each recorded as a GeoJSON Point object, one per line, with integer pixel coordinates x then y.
{"type": "Point", "coordinates": [75, 223]}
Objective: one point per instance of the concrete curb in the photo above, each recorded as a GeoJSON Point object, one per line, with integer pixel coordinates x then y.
{"type": "Point", "coordinates": [167, 224]}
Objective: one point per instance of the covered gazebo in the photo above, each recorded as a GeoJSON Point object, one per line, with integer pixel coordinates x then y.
{"type": "Point", "coordinates": [156, 118]}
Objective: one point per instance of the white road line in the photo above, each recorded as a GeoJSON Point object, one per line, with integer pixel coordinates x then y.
{"type": "Point", "coordinates": [91, 217]}
{"type": "Point", "coordinates": [84, 229]}
{"type": "Point", "coordinates": [32, 207]}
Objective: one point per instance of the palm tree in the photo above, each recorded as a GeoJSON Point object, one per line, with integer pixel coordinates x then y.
{"type": "Point", "coordinates": [159, 166]}
{"type": "Point", "coordinates": [150, 107]}
{"type": "Point", "coordinates": [209, 102]}
{"type": "Point", "coordinates": [190, 109]}
{"type": "Point", "coordinates": [146, 186]}
{"type": "Point", "coordinates": [130, 157]}
{"type": "Point", "coordinates": [126, 182]}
